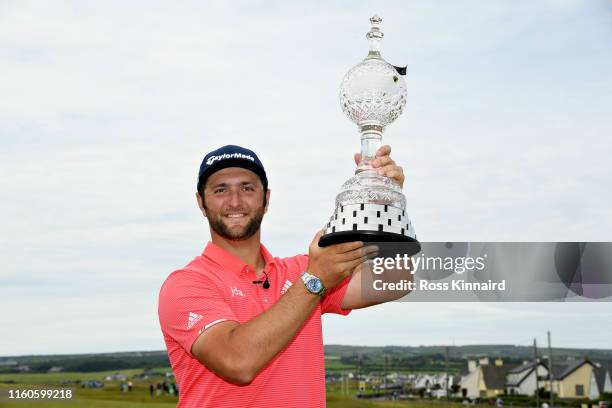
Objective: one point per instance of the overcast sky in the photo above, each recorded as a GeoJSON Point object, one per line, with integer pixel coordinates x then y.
{"type": "Point", "coordinates": [107, 109]}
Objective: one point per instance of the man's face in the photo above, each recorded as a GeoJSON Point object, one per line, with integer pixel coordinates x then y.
{"type": "Point", "coordinates": [234, 203]}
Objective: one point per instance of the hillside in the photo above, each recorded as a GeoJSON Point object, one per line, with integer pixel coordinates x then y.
{"type": "Point", "coordinates": [405, 358]}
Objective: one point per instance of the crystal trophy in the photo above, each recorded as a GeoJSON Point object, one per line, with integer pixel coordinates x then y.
{"type": "Point", "coordinates": [371, 207]}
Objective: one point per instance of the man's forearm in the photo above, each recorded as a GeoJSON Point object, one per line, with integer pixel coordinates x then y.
{"type": "Point", "coordinates": [367, 288]}
{"type": "Point", "coordinates": [259, 340]}
{"type": "Point", "coordinates": [399, 276]}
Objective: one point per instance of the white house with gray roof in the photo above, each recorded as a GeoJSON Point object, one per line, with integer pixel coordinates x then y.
{"type": "Point", "coordinates": [522, 379]}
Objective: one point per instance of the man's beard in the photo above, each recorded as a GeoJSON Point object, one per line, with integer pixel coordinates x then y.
{"type": "Point", "coordinates": [217, 224]}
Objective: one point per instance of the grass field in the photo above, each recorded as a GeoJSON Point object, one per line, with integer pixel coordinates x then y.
{"type": "Point", "coordinates": [55, 378]}
{"type": "Point", "coordinates": [111, 395]}
{"type": "Point", "coordinates": [335, 365]}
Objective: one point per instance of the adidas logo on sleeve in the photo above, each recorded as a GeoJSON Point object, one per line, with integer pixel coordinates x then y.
{"type": "Point", "coordinates": [193, 319]}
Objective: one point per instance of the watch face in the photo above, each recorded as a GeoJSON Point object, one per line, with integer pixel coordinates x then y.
{"type": "Point", "coordinates": [314, 285]}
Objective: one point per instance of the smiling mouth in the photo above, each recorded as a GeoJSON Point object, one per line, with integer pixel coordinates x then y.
{"type": "Point", "coordinates": [236, 215]}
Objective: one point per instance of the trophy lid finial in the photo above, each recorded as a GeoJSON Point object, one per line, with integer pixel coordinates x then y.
{"type": "Point", "coordinates": [374, 36]}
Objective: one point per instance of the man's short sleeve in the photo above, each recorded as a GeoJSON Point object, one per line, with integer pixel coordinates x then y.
{"type": "Point", "coordinates": [332, 301]}
{"type": "Point", "coordinates": [190, 303]}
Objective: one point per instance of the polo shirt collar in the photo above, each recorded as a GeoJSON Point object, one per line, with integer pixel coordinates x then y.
{"type": "Point", "coordinates": [231, 262]}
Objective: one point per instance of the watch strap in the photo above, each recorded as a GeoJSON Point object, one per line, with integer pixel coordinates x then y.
{"type": "Point", "coordinates": [307, 277]}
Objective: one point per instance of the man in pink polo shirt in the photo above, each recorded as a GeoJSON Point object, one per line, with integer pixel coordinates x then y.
{"type": "Point", "coordinates": [243, 328]}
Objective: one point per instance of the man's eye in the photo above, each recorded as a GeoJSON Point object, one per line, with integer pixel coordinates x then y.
{"type": "Point", "coordinates": [218, 190]}
{"type": "Point", "coordinates": [249, 188]}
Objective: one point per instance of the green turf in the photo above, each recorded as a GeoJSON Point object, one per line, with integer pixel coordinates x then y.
{"type": "Point", "coordinates": [55, 378]}
{"type": "Point", "coordinates": [111, 396]}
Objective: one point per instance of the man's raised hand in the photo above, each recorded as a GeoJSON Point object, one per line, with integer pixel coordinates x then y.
{"type": "Point", "coordinates": [334, 263]}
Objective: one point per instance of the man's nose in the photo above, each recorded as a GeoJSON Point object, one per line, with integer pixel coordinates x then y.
{"type": "Point", "coordinates": [235, 198]}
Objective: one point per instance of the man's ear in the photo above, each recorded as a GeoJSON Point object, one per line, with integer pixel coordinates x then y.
{"type": "Point", "coordinates": [267, 200]}
{"type": "Point", "coordinates": [200, 203]}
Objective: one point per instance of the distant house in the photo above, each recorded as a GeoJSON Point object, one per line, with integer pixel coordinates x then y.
{"type": "Point", "coordinates": [522, 379]}
{"type": "Point", "coordinates": [573, 379]}
{"type": "Point", "coordinates": [444, 389]}
{"type": "Point", "coordinates": [433, 384]}
{"type": "Point", "coordinates": [486, 380]}
{"type": "Point", "coordinates": [600, 382]}
{"type": "Point", "coordinates": [495, 379]}
{"type": "Point", "coordinates": [424, 381]}
{"type": "Point", "coordinates": [56, 369]}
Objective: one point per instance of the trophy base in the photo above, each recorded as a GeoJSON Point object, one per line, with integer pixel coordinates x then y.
{"type": "Point", "coordinates": [398, 244]}
{"type": "Point", "coordinates": [371, 222]}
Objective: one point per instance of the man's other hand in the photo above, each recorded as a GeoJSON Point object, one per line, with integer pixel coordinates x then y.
{"type": "Point", "coordinates": [385, 165]}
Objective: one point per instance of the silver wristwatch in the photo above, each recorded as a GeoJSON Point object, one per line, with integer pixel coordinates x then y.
{"type": "Point", "coordinates": [313, 284]}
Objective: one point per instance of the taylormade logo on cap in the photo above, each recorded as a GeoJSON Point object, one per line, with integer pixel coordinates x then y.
{"type": "Point", "coordinates": [230, 156]}
{"type": "Point", "coordinates": [224, 156]}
